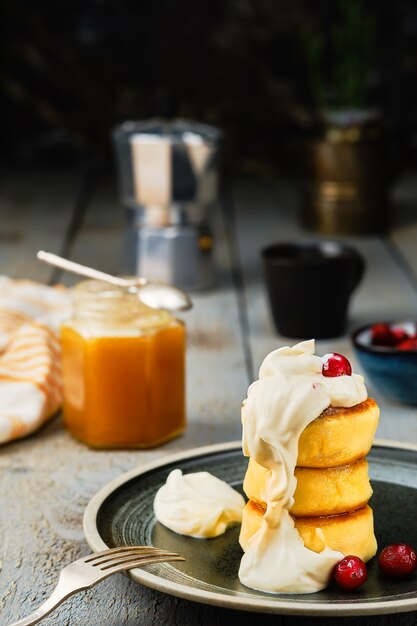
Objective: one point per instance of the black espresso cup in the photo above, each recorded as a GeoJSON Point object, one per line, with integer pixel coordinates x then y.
{"type": "Point", "coordinates": [309, 284]}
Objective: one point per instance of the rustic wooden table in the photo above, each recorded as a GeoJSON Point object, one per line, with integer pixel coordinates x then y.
{"type": "Point", "coordinates": [47, 479]}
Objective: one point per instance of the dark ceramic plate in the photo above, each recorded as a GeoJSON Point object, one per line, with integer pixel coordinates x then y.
{"type": "Point", "coordinates": [122, 514]}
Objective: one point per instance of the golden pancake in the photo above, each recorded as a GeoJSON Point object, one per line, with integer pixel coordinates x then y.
{"type": "Point", "coordinates": [350, 533]}
{"type": "Point", "coordinates": [339, 435]}
{"type": "Point", "coordinates": [319, 491]}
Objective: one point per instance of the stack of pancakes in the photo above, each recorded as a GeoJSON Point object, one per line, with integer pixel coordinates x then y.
{"type": "Point", "coordinates": [330, 501]}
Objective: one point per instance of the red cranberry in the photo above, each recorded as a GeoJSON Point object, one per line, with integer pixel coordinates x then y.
{"type": "Point", "coordinates": [397, 560]}
{"type": "Point", "coordinates": [336, 365]}
{"type": "Point", "coordinates": [381, 335]}
{"type": "Point", "coordinates": [350, 572]}
{"type": "Point", "coordinates": [399, 335]}
{"type": "Point", "coordinates": [408, 344]}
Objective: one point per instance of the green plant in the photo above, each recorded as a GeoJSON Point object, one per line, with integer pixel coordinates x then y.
{"type": "Point", "coordinates": [341, 60]}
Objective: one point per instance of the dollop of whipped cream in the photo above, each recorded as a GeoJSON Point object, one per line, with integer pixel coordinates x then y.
{"type": "Point", "coordinates": [291, 392]}
{"type": "Point", "coordinates": [198, 504]}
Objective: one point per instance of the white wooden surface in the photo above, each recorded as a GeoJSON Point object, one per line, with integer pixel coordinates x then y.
{"type": "Point", "coordinates": [47, 480]}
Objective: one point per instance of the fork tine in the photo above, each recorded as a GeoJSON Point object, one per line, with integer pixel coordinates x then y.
{"type": "Point", "coordinates": [123, 555]}
{"type": "Point", "coordinates": [121, 550]}
{"type": "Point", "coordinates": [114, 568]}
{"type": "Point", "coordinates": [119, 560]}
{"type": "Point", "coordinates": [127, 554]}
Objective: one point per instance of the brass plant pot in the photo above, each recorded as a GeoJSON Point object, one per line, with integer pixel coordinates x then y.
{"type": "Point", "coordinates": [346, 185]}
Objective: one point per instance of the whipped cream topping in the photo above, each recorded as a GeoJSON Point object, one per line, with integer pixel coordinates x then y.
{"type": "Point", "coordinates": [198, 504]}
{"type": "Point", "coordinates": [291, 392]}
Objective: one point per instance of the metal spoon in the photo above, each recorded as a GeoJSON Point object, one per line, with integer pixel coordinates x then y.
{"type": "Point", "coordinates": [153, 294]}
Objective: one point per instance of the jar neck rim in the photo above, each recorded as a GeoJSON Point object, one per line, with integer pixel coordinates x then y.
{"type": "Point", "coordinates": [102, 302]}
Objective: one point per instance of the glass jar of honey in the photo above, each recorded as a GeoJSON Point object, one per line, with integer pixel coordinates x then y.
{"type": "Point", "coordinates": [123, 370]}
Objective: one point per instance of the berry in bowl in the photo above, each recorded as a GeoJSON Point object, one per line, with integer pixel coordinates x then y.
{"type": "Point", "coordinates": [387, 351]}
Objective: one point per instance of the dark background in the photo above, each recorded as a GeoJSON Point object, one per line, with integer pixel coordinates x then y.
{"type": "Point", "coordinates": [72, 69]}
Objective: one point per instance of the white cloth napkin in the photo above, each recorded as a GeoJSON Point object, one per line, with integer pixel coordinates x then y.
{"type": "Point", "coordinates": [30, 354]}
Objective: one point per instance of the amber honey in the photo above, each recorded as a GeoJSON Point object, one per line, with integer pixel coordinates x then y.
{"type": "Point", "coordinates": [123, 370]}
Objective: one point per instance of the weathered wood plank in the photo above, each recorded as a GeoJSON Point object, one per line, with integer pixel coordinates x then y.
{"type": "Point", "coordinates": [35, 209]}
{"type": "Point", "coordinates": [403, 234]}
{"type": "Point", "coordinates": [267, 214]}
{"type": "Point", "coordinates": [35, 212]}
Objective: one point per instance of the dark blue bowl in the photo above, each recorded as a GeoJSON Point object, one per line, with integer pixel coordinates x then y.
{"type": "Point", "coordinates": [392, 372]}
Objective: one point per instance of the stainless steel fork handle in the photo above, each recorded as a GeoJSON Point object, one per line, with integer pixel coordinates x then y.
{"type": "Point", "coordinates": [88, 571]}
{"type": "Point", "coordinates": [58, 596]}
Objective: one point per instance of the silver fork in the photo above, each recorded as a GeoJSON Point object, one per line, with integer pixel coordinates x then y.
{"type": "Point", "coordinates": [90, 570]}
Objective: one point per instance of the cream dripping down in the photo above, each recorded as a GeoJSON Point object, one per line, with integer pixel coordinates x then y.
{"type": "Point", "coordinates": [197, 504]}
{"type": "Point", "coordinates": [291, 392]}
